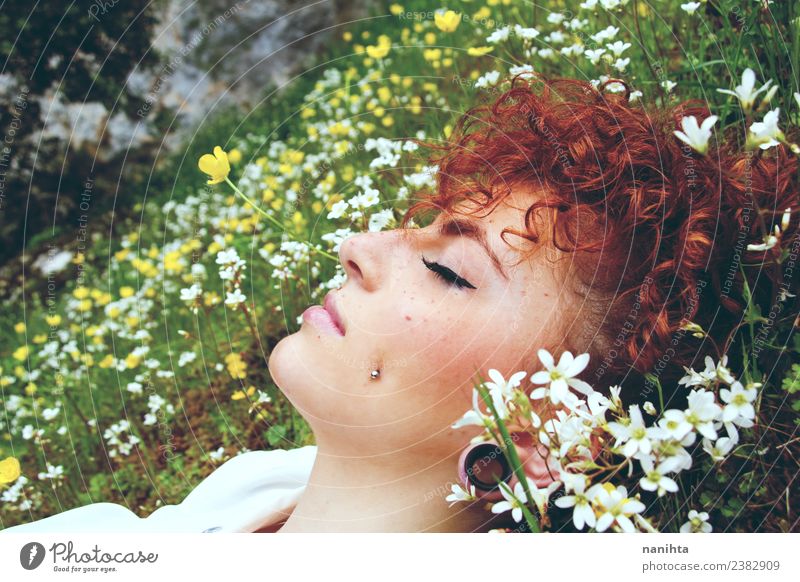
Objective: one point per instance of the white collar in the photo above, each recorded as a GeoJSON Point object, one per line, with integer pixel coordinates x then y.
{"type": "Point", "coordinates": [246, 493]}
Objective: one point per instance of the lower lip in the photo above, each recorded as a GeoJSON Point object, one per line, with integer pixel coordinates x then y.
{"type": "Point", "coordinates": [321, 319]}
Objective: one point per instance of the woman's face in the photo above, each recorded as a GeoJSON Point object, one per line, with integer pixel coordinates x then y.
{"type": "Point", "coordinates": [427, 336]}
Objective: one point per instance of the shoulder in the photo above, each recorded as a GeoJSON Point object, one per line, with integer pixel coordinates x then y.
{"type": "Point", "coordinates": [248, 491]}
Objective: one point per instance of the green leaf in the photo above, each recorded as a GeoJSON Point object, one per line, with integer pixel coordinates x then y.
{"type": "Point", "coordinates": [753, 314]}
{"type": "Point", "coordinates": [276, 434]}
{"type": "Point", "coordinates": [791, 383]}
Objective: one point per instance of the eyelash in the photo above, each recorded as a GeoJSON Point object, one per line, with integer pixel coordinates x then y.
{"type": "Point", "coordinates": [448, 276]}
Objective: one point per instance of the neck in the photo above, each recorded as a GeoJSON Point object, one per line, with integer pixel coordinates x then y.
{"type": "Point", "coordinates": [398, 492]}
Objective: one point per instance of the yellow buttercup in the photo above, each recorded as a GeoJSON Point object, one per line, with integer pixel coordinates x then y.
{"type": "Point", "coordinates": [216, 166]}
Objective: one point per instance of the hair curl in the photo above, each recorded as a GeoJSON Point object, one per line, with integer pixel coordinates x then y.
{"type": "Point", "coordinates": [657, 233]}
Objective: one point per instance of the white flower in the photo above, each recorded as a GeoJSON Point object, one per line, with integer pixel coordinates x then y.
{"type": "Point", "coordinates": [690, 7]}
{"type": "Point", "coordinates": [720, 371]}
{"type": "Point", "coordinates": [473, 417]}
{"type": "Point", "coordinates": [526, 33]}
{"type": "Point", "coordinates": [770, 241]}
{"type": "Point", "coordinates": [338, 209]}
{"type": "Point", "coordinates": [668, 85]}
{"type": "Point", "coordinates": [186, 357]}
{"type": "Point", "coordinates": [655, 478]}
{"type": "Point", "coordinates": [525, 70]}
{"type": "Point", "coordinates": [618, 47]}
{"type": "Point", "coordinates": [234, 297]}
{"type": "Point", "coordinates": [594, 55]}
{"type": "Point", "coordinates": [218, 454]}
{"type": "Point", "coordinates": [739, 402]}
{"type": "Point", "coordinates": [134, 387]}
{"type": "Point", "coordinates": [720, 449]}
{"type": "Point", "coordinates": [555, 18]}
{"type": "Point", "coordinates": [499, 35]}
{"type": "Point", "coordinates": [583, 514]}
{"type": "Point", "coordinates": [561, 377]}
{"type": "Point", "coordinates": [698, 523]}
{"type": "Point", "coordinates": [614, 505]}
{"type": "Point", "coordinates": [702, 412]}
{"type": "Point", "coordinates": [460, 494]}
{"type": "Point", "coordinates": [693, 378]}
{"type": "Point", "coordinates": [696, 136]}
{"type": "Point", "coordinates": [369, 197]}
{"type": "Point", "coordinates": [606, 34]}
{"type": "Point", "coordinates": [588, 4]}
{"type": "Point", "coordinates": [634, 434]}
{"type": "Point", "coordinates": [487, 79]}
{"type": "Point", "coordinates": [502, 390]}
{"type": "Point", "coordinates": [227, 257]}
{"type": "Point", "coordinates": [674, 425]}
{"type": "Point", "coordinates": [620, 64]}
{"type": "Point", "coordinates": [191, 293]}
{"type": "Point", "coordinates": [513, 501]}
{"type": "Point", "coordinates": [378, 220]}
{"type": "Point", "coordinates": [745, 92]}
{"type": "Point", "coordinates": [767, 133]}
{"type": "Point", "coordinates": [50, 413]}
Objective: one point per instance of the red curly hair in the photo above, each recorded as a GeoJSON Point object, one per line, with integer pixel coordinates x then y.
{"type": "Point", "coordinates": [657, 232]}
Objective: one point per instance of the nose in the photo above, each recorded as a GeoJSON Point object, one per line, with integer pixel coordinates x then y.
{"type": "Point", "coordinates": [365, 257]}
{"type": "Point", "coordinates": [355, 259]}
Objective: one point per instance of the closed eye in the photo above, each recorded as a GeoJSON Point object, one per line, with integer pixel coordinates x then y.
{"type": "Point", "coordinates": [447, 275]}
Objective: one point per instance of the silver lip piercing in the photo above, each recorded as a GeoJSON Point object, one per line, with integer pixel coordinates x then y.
{"type": "Point", "coordinates": [374, 374]}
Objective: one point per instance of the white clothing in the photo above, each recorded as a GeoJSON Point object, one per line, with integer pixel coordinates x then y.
{"type": "Point", "coordinates": [246, 493]}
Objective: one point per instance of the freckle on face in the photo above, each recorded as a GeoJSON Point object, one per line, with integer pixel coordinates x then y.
{"type": "Point", "coordinates": [408, 318]}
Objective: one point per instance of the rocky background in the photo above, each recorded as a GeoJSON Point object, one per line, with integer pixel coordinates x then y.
{"type": "Point", "coordinates": [99, 92]}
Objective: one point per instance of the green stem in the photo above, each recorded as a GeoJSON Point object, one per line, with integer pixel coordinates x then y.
{"type": "Point", "coordinates": [275, 221]}
{"type": "Point", "coordinates": [511, 453]}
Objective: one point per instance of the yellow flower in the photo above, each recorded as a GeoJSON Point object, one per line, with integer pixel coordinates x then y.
{"type": "Point", "coordinates": [479, 51]}
{"type": "Point", "coordinates": [384, 94]}
{"type": "Point", "coordinates": [126, 291]}
{"type": "Point", "coordinates": [216, 166]}
{"type": "Point", "coordinates": [39, 338]}
{"type": "Point", "coordinates": [132, 361]}
{"type": "Point", "coordinates": [239, 394]}
{"type": "Point", "coordinates": [21, 353]}
{"type": "Point", "coordinates": [381, 49]}
{"type": "Point", "coordinates": [9, 470]}
{"type": "Point", "coordinates": [81, 293]}
{"type": "Point", "coordinates": [236, 367]}
{"type": "Point", "coordinates": [20, 327]}
{"type": "Point", "coordinates": [30, 389]}
{"type": "Point", "coordinates": [448, 21]}
{"type": "Point", "coordinates": [107, 362]}
{"type": "Point", "coordinates": [396, 9]}
{"type": "Point", "coordinates": [347, 36]}
{"type": "Point", "coordinates": [234, 156]}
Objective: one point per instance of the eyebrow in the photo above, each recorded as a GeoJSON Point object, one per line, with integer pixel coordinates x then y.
{"type": "Point", "coordinates": [473, 230]}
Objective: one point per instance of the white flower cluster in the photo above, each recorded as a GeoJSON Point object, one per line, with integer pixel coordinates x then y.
{"type": "Point", "coordinates": [114, 436]}
{"type": "Point", "coordinates": [571, 434]}
{"type": "Point", "coordinates": [232, 272]}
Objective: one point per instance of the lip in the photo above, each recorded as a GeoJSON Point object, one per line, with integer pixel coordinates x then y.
{"type": "Point", "coordinates": [332, 308]}
{"type": "Point", "coordinates": [325, 318]}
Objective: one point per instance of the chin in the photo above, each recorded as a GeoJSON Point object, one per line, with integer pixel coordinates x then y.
{"type": "Point", "coordinates": [288, 365]}
{"type": "Point", "coordinates": [284, 363]}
